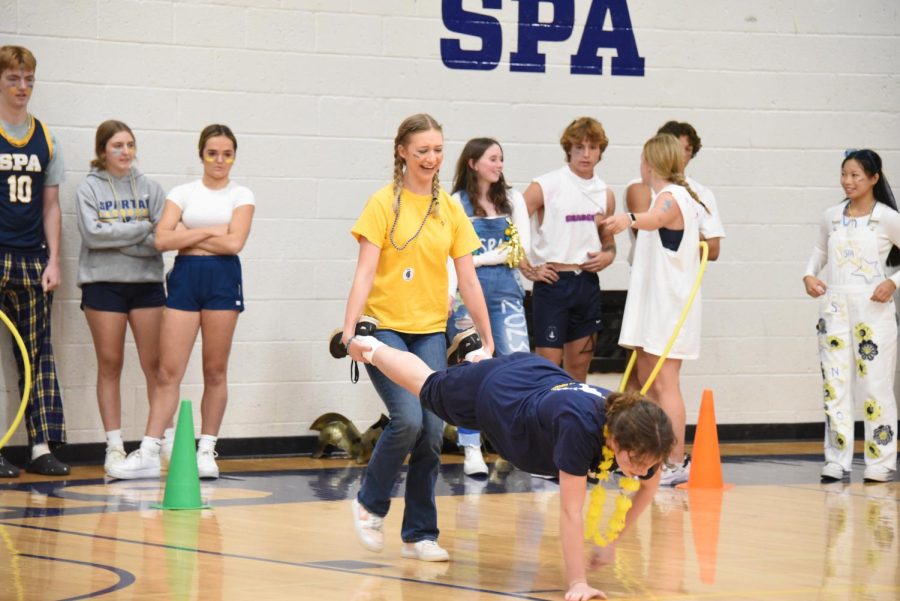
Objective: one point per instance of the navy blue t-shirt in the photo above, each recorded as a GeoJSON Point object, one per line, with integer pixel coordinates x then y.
{"type": "Point", "coordinates": [538, 418]}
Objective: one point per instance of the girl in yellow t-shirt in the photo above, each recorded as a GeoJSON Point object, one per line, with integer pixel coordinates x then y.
{"type": "Point", "coordinates": [406, 232]}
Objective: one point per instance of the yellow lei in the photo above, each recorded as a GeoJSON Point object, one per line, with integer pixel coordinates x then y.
{"type": "Point", "coordinates": [592, 529]}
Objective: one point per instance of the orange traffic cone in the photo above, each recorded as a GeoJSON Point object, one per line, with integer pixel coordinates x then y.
{"type": "Point", "coordinates": [706, 489]}
{"type": "Point", "coordinates": [706, 463]}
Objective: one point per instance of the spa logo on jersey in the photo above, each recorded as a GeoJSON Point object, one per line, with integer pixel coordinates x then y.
{"type": "Point", "coordinates": [473, 27]}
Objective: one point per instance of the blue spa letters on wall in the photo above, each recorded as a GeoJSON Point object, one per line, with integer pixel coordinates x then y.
{"type": "Point", "coordinates": [531, 32]}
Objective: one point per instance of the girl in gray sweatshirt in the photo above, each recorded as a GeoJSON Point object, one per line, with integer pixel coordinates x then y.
{"type": "Point", "coordinates": [120, 272]}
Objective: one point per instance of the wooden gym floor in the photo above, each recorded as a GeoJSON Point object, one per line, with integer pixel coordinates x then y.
{"type": "Point", "coordinates": [280, 529]}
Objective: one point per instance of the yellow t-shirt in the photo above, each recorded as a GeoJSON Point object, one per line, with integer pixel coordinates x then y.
{"type": "Point", "coordinates": [410, 290]}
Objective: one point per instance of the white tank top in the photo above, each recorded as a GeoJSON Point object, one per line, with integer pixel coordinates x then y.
{"type": "Point", "coordinates": [568, 230]}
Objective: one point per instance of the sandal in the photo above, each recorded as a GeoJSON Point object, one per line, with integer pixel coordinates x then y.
{"type": "Point", "coordinates": [47, 465]}
{"type": "Point", "coordinates": [7, 469]}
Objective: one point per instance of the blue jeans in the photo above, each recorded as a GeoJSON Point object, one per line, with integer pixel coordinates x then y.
{"type": "Point", "coordinates": [503, 296]}
{"type": "Point", "coordinates": [412, 430]}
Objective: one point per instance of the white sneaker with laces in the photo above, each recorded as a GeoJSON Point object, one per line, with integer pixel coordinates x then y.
{"type": "Point", "coordinates": [878, 473]}
{"type": "Point", "coordinates": [114, 455]}
{"type": "Point", "coordinates": [138, 464]}
{"type": "Point", "coordinates": [832, 472]}
{"type": "Point", "coordinates": [675, 474]}
{"type": "Point", "coordinates": [206, 463]}
{"type": "Point", "coordinates": [369, 527]}
{"type": "Point", "coordinates": [424, 550]}
{"type": "Point", "coordinates": [474, 464]}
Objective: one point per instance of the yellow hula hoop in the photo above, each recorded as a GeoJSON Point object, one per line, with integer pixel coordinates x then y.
{"type": "Point", "coordinates": [27, 391]}
{"type": "Point", "coordinates": [704, 256]}
{"type": "Point", "coordinates": [704, 252]}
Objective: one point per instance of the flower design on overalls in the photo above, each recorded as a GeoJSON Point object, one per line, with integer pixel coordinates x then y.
{"type": "Point", "coordinates": [862, 332]}
{"type": "Point", "coordinates": [829, 392]}
{"type": "Point", "coordinates": [840, 441]}
{"type": "Point", "coordinates": [871, 409]}
{"type": "Point", "coordinates": [883, 435]}
{"type": "Point", "coordinates": [861, 368]}
{"type": "Point", "coordinates": [868, 350]}
{"type": "Point", "coordinates": [820, 326]}
{"type": "Point", "coordinates": [835, 343]}
{"type": "Point", "coordinates": [872, 450]}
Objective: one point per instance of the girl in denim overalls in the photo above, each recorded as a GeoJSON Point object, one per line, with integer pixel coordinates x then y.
{"type": "Point", "coordinates": [501, 221]}
{"type": "Point", "coordinates": [857, 327]}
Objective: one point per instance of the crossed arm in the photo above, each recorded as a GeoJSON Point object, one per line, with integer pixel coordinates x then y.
{"type": "Point", "coordinates": [226, 239]}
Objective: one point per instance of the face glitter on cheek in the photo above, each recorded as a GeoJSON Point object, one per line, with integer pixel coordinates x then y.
{"type": "Point", "coordinates": [228, 160]}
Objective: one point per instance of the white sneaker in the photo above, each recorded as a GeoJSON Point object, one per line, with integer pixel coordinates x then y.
{"type": "Point", "coordinates": [136, 465]}
{"type": "Point", "coordinates": [165, 451]}
{"type": "Point", "coordinates": [114, 455]}
{"type": "Point", "coordinates": [369, 527]}
{"type": "Point", "coordinates": [878, 473]}
{"type": "Point", "coordinates": [474, 464]}
{"type": "Point", "coordinates": [832, 472]}
{"type": "Point", "coordinates": [424, 550]}
{"type": "Point", "coordinates": [675, 474]}
{"type": "Point", "coordinates": [206, 463]}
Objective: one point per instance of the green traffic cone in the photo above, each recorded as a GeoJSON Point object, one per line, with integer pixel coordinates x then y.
{"type": "Point", "coordinates": [183, 481]}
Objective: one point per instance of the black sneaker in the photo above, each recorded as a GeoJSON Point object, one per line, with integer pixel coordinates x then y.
{"type": "Point", "coordinates": [463, 343]}
{"type": "Point", "coordinates": [366, 326]}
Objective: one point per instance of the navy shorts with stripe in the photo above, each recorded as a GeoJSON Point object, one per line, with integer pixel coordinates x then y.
{"type": "Point", "coordinates": [198, 283]}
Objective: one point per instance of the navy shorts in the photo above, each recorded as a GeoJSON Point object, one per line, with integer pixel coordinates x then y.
{"type": "Point", "coordinates": [121, 297]}
{"type": "Point", "coordinates": [213, 283]}
{"type": "Point", "coordinates": [451, 394]}
{"type": "Point", "coordinates": [566, 310]}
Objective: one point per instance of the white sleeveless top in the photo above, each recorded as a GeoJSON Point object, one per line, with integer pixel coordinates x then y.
{"type": "Point", "coordinates": [568, 230]}
{"type": "Point", "coordinates": [661, 281]}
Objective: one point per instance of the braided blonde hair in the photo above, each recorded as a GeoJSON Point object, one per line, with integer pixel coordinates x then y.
{"type": "Point", "coordinates": [664, 156]}
{"type": "Point", "coordinates": [412, 125]}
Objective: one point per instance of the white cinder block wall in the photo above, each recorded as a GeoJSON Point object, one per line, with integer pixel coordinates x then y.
{"type": "Point", "coordinates": [315, 89]}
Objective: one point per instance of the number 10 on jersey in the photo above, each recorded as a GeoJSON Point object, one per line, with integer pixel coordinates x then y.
{"type": "Point", "coordinates": [19, 188]}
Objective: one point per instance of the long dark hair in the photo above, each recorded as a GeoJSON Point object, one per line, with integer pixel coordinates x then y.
{"type": "Point", "coordinates": [466, 178]}
{"type": "Point", "coordinates": [871, 164]}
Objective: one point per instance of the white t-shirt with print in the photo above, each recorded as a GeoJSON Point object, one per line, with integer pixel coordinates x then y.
{"type": "Point", "coordinates": [568, 230]}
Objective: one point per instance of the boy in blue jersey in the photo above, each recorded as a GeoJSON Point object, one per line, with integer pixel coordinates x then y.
{"type": "Point", "coordinates": [31, 170]}
{"type": "Point", "coordinates": [542, 421]}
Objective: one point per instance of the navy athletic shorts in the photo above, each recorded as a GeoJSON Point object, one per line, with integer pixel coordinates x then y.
{"type": "Point", "coordinates": [119, 297]}
{"type": "Point", "coordinates": [212, 283]}
{"type": "Point", "coordinates": [566, 310]}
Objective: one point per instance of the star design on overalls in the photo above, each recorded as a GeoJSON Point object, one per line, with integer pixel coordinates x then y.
{"type": "Point", "coordinates": [847, 252]}
{"type": "Point", "coordinates": [867, 270]}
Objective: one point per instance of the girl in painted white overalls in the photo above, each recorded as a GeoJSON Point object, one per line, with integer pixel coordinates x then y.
{"type": "Point", "coordinates": [857, 328]}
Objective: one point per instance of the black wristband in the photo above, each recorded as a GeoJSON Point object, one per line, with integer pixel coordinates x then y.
{"type": "Point", "coordinates": [632, 217]}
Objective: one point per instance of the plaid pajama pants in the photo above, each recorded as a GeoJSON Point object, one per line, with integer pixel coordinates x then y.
{"type": "Point", "coordinates": [25, 304]}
